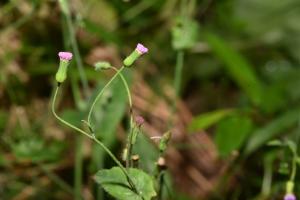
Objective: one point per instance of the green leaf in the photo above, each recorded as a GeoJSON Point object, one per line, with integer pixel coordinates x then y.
{"type": "Point", "coordinates": [115, 183]}
{"type": "Point", "coordinates": [231, 133]}
{"type": "Point", "coordinates": [184, 33]}
{"type": "Point", "coordinates": [147, 151]}
{"type": "Point", "coordinates": [262, 135]}
{"type": "Point", "coordinates": [238, 67]}
{"type": "Point", "coordinates": [206, 120]}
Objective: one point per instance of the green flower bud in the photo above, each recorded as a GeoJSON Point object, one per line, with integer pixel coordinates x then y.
{"type": "Point", "coordinates": [131, 58]}
{"type": "Point", "coordinates": [61, 73]}
{"type": "Point", "coordinates": [102, 65]}
{"type": "Point", "coordinates": [139, 50]}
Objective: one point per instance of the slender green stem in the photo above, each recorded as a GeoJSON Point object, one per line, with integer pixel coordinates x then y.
{"type": "Point", "coordinates": [178, 72]}
{"type": "Point", "coordinates": [125, 85]}
{"type": "Point", "coordinates": [72, 37]}
{"type": "Point", "coordinates": [75, 49]}
{"type": "Point", "coordinates": [177, 83]}
{"type": "Point", "coordinates": [100, 94]}
{"type": "Point", "coordinates": [129, 139]}
{"type": "Point", "coordinates": [294, 168]}
{"type": "Point", "coordinates": [92, 137]}
{"type": "Point", "coordinates": [62, 120]}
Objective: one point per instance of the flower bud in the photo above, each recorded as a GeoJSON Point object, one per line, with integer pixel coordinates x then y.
{"type": "Point", "coordinates": [139, 51]}
{"type": "Point", "coordinates": [102, 65]}
{"type": "Point", "coordinates": [61, 73]}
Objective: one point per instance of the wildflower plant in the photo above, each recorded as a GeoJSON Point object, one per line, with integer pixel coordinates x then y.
{"type": "Point", "coordinates": [122, 182]}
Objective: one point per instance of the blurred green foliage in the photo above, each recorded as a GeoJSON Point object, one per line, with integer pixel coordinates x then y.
{"type": "Point", "coordinates": [240, 79]}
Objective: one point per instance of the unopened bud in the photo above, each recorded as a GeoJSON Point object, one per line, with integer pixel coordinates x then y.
{"type": "Point", "coordinates": [61, 73]}
{"type": "Point", "coordinates": [139, 51]}
{"type": "Point", "coordinates": [102, 65]}
{"type": "Point", "coordinates": [163, 144]}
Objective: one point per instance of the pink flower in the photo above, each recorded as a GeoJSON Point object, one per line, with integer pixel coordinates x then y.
{"type": "Point", "coordinates": [66, 56]}
{"type": "Point", "coordinates": [141, 49]}
{"type": "Point", "coordinates": [290, 197]}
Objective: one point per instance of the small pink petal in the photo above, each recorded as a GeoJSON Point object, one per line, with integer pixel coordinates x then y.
{"type": "Point", "coordinates": [141, 48]}
{"type": "Point", "coordinates": [67, 56]}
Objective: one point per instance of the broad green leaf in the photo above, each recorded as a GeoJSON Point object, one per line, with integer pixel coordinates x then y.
{"type": "Point", "coordinates": [231, 133]}
{"type": "Point", "coordinates": [275, 127]}
{"type": "Point", "coordinates": [184, 33]}
{"type": "Point", "coordinates": [237, 66]}
{"type": "Point", "coordinates": [206, 120]}
{"type": "Point", "coordinates": [115, 183]}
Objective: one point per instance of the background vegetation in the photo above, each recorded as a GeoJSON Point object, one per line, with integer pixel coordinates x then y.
{"type": "Point", "coordinates": [240, 80]}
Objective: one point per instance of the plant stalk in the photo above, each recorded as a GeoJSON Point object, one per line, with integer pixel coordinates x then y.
{"type": "Point", "coordinates": [92, 137]}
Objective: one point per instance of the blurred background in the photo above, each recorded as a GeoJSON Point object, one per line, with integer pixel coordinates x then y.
{"type": "Point", "coordinates": [235, 114]}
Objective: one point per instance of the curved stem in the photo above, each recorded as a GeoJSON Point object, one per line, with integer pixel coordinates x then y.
{"type": "Point", "coordinates": [125, 84]}
{"type": "Point", "coordinates": [129, 140]}
{"type": "Point", "coordinates": [92, 137]}
{"type": "Point", "coordinates": [100, 94]}
{"type": "Point", "coordinates": [63, 121]}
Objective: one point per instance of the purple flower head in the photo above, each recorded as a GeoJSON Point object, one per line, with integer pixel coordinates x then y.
{"type": "Point", "coordinates": [139, 120]}
{"type": "Point", "coordinates": [141, 49]}
{"type": "Point", "coordinates": [66, 56]}
{"type": "Point", "coordinates": [290, 197]}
